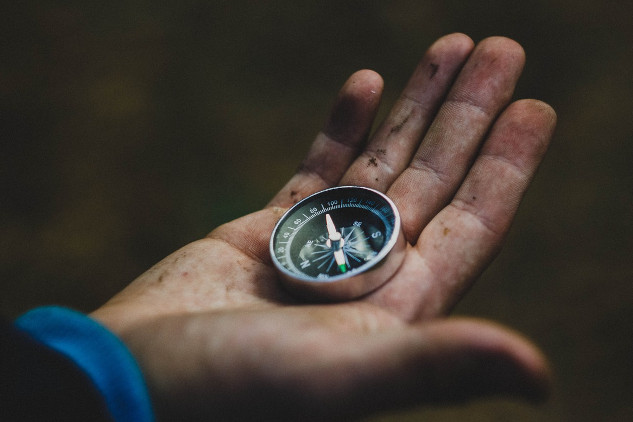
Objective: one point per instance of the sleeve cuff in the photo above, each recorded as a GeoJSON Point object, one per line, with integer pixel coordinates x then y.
{"type": "Point", "coordinates": [99, 353]}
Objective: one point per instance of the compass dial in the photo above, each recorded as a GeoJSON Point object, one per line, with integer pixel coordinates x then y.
{"type": "Point", "coordinates": [329, 245]}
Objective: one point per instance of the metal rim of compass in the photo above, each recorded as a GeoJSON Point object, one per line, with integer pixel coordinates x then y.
{"type": "Point", "coordinates": [357, 282]}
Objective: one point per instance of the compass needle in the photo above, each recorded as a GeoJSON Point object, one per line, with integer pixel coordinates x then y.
{"type": "Point", "coordinates": [331, 229]}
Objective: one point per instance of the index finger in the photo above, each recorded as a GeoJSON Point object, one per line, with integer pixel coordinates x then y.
{"type": "Point", "coordinates": [338, 144]}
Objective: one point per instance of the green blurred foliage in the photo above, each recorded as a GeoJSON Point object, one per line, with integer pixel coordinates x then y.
{"type": "Point", "coordinates": [131, 128]}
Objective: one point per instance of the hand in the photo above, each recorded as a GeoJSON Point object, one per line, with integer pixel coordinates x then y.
{"type": "Point", "coordinates": [218, 338]}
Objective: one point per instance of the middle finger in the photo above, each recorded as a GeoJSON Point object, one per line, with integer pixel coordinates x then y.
{"type": "Point", "coordinates": [483, 88]}
{"type": "Point", "coordinates": [391, 147]}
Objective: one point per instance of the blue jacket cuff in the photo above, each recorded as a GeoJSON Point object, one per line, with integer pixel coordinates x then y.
{"type": "Point", "coordinates": [99, 353]}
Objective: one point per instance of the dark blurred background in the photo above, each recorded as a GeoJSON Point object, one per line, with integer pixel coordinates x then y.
{"type": "Point", "coordinates": [129, 129]}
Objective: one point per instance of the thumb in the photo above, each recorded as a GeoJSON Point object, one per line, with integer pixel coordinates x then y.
{"type": "Point", "coordinates": [447, 361]}
{"type": "Point", "coordinates": [462, 359]}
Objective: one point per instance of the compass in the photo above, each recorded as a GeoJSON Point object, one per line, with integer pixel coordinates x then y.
{"type": "Point", "coordinates": [338, 244]}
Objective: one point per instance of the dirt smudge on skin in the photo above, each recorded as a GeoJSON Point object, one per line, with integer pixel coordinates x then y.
{"type": "Point", "coordinates": [245, 266]}
{"type": "Point", "coordinates": [434, 69]}
{"type": "Point", "coordinates": [397, 128]}
{"type": "Point", "coordinates": [373, 161]}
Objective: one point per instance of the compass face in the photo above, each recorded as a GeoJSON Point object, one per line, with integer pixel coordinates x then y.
{"type": "Point", "coordinates": [335, 235]}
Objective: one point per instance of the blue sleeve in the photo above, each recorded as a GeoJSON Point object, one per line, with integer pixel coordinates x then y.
{"type": "Point", "coordinates": [98, 353]}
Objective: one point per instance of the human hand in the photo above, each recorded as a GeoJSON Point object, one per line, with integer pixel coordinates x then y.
{"type": "Point", "coordinates": [217, 336]}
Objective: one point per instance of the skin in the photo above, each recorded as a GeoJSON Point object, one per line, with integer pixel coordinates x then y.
{"type": "Point", "coordinates": [217, 336]}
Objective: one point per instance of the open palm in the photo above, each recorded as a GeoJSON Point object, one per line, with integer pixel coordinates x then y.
{"type": "Point", "coordinates": [217, 336]}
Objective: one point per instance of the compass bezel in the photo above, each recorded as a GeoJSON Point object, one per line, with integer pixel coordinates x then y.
{"type": "Point", "coordinates": [357, 281]}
